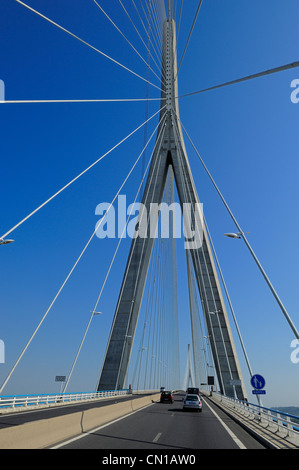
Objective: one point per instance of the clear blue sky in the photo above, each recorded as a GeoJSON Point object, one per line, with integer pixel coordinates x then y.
{"type": "Point", "coordinates": [247, 135]}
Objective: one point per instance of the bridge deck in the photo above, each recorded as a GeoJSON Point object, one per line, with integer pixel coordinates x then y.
{"type": "Point", "coordinates": [165, 426]}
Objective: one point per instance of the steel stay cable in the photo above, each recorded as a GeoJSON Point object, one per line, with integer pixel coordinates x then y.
{"type": "Point", "coordinates": [158, 18]}
{"type": "Point", "coordinates": [110, 266]}
{"type": "Point", "coordinates": [144, 327]}
{"type": "Point", "coordinates": [159, 136]}
{"type": "Point", "coordinates": [173, 354]}
{"type": "Point", "coordinates": [192, 27]}
{"type": "Point", "coordinates": [65, 281]}
{"type": "Point", "coordinates": [175, 302]}
{"type": "Point", "coordinates": [174, 9]}
{"type": "Point", "coordinates": [150, 297]}
{"type": "Point", "coordinates": [242, 234]}
{"type": "Point", "coordinates": [232, 82]}
{"type": "Point", "coordinates": [195, 315]}
{"type": "Point", "coordinates": [149, 341]}
{"type": "Point", "coordinates": [167, 286]}
{"type": "Point", "coordinates": [162, 8]}
{"type": "Point", "coordinates": [194, 306]}
{"type": "Point", "coordinates": [215, 302]}
{"type": "Point", "coordinates": [186, 190]}
{"type": "Point", "coordinates": [156, 30]}
{"type": "Point", "coordinates": [215, 306]}
{"type": "Point", "coordinates": [153, 47]}
{"type": "Point", "coordinates": [156, 317]}
{"type": "Point", "coordinates": [179, 21]}
{"type": "Point", "coordinates": [248, 77]}
{"type": "Point", "coordinates": [231, 308]}
{"type": "Point", "coordinates": [154, 369]}
{"type": "Point", "coordinates": [137, 274]}
{"type": "Point", "coordinates": [145, 321]}
{"type": "Point", "coordinates": [124, 36]}
{"type": "Point", "coordinates": [204, 293]}
{"type": "Point", "coordinates": [157, 268]}
{"type": "Point", "coordinates": [157, 314]}
{"type": "Point", "coordinates": [116, 100]}
{"type": "Point", "coordinates": [76, 178]}
{"type": "Point", "coordinates": [161, 132]}
{"type": "Point", "coordinates": [138, 33]}
{"type": "Point", "coordinates": [84, 42]}
{"type": "Point", "coordinates": [153, 30]}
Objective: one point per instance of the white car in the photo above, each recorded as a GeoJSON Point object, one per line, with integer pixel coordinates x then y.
{"type": "Point", "coordinates": [192, 402]}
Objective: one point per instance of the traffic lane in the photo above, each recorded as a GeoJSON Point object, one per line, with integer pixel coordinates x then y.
{"type": "Point", "coordinates": [139, 430]}
{"type": "Point", "coordinates": [248, 441]}
{"type": "Point", "coordinates": [160, 426]}
{"type": "Point", "coordinates": [22, 417]}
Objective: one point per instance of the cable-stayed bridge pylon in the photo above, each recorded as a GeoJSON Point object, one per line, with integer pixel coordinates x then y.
{"type": "Point", "coordinates": [169, 153]}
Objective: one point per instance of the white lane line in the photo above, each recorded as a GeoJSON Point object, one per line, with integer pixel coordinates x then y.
{"type": "Point", "coordinates": [86, 433]}
{"type": "Point", "coordinates": [232, 435]}
{"type": "Point", "coordinates": [157, 437]}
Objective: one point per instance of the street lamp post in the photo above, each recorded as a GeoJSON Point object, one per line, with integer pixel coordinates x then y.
{"type": "Point", "coordinates": [4, 241]}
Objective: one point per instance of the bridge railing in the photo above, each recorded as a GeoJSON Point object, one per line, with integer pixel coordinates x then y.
{"type": "Point", "coordinates": [283, 425]}
{"type": "Point", "coordinates": [17, 402]}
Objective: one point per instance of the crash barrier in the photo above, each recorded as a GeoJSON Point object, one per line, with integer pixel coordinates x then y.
{"type": "Point", "coordinates": [12, 403]}
{"type": "Point", "coordinates": [280, 430]}
{"type": "Point", "coordinates": [45, 433]}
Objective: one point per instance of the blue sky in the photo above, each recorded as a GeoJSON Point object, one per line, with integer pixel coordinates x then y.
{"type": "Point", "coordinates": [247, 135]}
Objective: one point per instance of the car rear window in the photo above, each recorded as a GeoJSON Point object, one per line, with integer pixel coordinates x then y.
{"type": "Point", "coordinates": [192, 398]}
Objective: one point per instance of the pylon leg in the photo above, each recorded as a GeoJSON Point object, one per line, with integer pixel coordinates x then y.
{"type": "Point", "coordinates": [170, 150]}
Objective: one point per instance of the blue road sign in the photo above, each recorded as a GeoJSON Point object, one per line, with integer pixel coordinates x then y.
{"type": "Point", "coordinates": [258, 382]}
{"type": "Point", "coordinates": [259, 392]}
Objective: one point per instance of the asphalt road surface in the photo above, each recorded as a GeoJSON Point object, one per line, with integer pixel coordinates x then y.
{"type": "Point", "coordinates": [164, 426]}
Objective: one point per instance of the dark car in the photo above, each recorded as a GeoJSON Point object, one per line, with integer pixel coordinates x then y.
{"type": "Point", "coordinates": [166, 397]}
{"type": "Point", "coordinates": [193, 391]}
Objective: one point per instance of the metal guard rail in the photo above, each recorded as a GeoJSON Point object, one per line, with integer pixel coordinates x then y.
{"type": "Point", "coordinates": [283, 425]}
{"type": "Point", "coordinates": [15, 402]}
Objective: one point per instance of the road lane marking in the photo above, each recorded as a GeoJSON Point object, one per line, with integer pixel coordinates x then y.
{"type": "Point", "coordinates": [86, 433]}
{"type": "Point", "coordinates": [232, 435]}
{"type": "Point", "coordinates": [157, 437]}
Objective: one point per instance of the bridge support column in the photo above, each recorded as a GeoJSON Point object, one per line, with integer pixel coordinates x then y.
{"type": "Point", "coordinates": [170, 150]}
